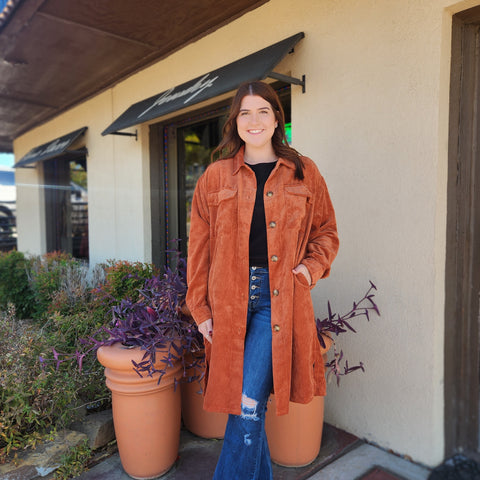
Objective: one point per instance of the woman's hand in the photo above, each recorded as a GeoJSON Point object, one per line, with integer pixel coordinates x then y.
{"type": "Point", "coordinates": [206, 329]}
{"type": "Point", "coordinates": [301, 268]}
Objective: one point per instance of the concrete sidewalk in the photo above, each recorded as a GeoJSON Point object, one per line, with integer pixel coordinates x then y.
{"type": "Point", "coordinates": [342, 457]}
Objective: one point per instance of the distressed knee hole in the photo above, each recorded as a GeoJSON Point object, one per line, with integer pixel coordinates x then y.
{"type": "Point", "coordinates": [249, 408]}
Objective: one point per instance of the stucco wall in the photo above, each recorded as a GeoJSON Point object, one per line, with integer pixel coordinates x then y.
{"type": "Point", "coordinates": [375, 119]}
{"type": "Point", "coordinates": [377, 135]}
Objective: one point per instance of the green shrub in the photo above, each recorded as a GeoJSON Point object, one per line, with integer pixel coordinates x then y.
{"type": "Point", "coordinates": [123, 279]}
{"type": "Point", "coordinates": [38, 396]}
{"type": "Point", "coordinates": [64, 333]}
{"type": "Point", "coordinates": [26, 396]}
{"type": "Point", "coordinates": [14, 284]}
{"type": "Point", "coordinates": [46, 274]}
{"type": "Point", "coordinates": [76, 290]}
{"type": "Point", "coordinates": [74, 462]}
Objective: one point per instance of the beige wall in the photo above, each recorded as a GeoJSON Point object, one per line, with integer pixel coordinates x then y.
{"type": "Point", "coordinates": [375, 119]}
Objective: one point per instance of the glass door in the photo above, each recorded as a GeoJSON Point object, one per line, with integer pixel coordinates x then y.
{"type": "Point", "coordinates": [195, 144]}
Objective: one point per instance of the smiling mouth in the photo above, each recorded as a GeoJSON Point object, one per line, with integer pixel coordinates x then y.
{"type": "Point", "coordinates": [255, 131]}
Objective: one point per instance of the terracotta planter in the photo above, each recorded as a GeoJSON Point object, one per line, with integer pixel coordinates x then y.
{"type": "Point", "coordinates": [146, 416]}
{"type": "Point", "coordinates": [295, 439]}
{"type": "Point", "coordinates": [195, 418]}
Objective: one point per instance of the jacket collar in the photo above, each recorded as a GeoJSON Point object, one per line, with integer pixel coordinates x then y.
{"type": "Point", "coordinates": [239, 162]}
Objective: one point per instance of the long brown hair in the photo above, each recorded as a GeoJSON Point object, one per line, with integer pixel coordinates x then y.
{"type": "Point", "coordinates": [231, 141]}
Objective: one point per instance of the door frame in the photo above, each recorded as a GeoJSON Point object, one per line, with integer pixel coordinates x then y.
{"type": "Point", "coordinates": [462, 282]}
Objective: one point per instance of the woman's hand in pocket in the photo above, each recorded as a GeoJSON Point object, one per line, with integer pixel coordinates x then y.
{"type": "Point", "coordinates": [303, 270]}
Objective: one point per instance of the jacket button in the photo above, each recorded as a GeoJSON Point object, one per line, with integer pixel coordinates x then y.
{"type": "Point", "coordinates": [274, 258]}
{"type": "Point", "coordinates": [276, 328]}
{"type": "Point", "coordinates": [272, 224]}
{"type": "Point", "coordinates": [269, 194]}
{"type": "Point", "coordinates": [276, 292]}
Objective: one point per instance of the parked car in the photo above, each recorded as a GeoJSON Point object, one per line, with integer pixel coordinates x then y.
{"type": "Point", "coordinates": [8, 202]}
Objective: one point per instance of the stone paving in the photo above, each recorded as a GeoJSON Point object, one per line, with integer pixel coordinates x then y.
{"type": "Point", "coordinates": [198, 457]}
{"type": "Point", "coordinates": [342, 457]}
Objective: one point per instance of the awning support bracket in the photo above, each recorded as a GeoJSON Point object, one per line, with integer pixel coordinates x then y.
{"type": "Point", "coordinates": [288, 79]}
{"type": "Point", "coordinates": [126, 134]}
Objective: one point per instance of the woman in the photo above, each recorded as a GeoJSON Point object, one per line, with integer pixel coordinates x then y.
{"type": "Point", "coordinates": [262, 233]}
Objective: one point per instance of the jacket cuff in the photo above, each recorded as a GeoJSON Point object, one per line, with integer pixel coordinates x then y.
{"type": "Point", "coordinates": [316, 270]}
{"type": "Point", "coordinates": [201, 314]}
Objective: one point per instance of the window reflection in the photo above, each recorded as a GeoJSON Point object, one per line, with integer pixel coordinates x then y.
{"type": "Point", "coordinates": [196, 143]}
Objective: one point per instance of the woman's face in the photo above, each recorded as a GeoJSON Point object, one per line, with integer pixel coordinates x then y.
{"type": "Point", "coordinates": [256, 121]}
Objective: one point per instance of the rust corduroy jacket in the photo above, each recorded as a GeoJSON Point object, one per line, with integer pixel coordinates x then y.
{"type": "Point", "coordinates": [301, 228]}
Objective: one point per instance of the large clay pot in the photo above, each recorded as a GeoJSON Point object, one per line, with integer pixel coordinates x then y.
{"type": "Point", "coordinates": [195, 418]}
{"type": "Point", "coordinates": [295, 439]}
{"type": "Point", "coordinates": [146, 415]}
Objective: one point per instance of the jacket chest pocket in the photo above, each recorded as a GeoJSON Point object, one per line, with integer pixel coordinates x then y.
{"type": "Point", "coordinates": [223, 210]}
{"type": "Point", "coordinates": [297, 201]}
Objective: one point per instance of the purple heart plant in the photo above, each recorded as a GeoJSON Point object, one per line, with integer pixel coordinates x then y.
{"type": "Point", "coordinates": [156, 322]}
{"type": "Point", "coordinates": [335, 324]}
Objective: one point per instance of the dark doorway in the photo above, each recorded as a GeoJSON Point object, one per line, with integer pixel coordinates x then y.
{"type": "Point", "coordinates": [462, 313]}
{"type": "Point", "coordinates": [180, 153]}
{"type": "Point", "coordinates": [195, 144]}
{"type": "Point", "coordinates": [66, 205]}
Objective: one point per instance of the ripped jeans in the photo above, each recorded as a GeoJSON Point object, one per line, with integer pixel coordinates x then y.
{"type": "Point", "coordinates": [245, 454]}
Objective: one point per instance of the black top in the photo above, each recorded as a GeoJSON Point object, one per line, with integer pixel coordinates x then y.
{"type": "Point", "coordinates": [258, 254]}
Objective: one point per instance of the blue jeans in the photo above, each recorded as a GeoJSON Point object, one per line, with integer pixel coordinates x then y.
{"type": "Point", "coordinates": [245, 454]}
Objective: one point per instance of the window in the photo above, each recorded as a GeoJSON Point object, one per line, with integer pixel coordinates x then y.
{"type": "Point", "coordinates": [66, 205]}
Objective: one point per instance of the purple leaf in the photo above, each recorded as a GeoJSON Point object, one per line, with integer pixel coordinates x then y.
{"type": "Point", "coordinates": [337, 324]}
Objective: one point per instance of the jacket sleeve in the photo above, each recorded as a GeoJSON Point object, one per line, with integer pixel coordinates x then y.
{"type": "Point", "coordinates": [199, 255]}
{"type": "Point", "coordinates": [323, 243]}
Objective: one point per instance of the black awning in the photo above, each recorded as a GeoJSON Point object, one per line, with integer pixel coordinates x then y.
{"type": "Point", "coordinates": [256, 66]}
{"type": "Point", "coordinates": [51, 149]}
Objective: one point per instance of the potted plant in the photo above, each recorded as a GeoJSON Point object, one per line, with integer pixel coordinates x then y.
{"type": "Point", "coordinates": [295, 439]}
{"type": "Point", "coordinates": [195, 419]}
{"type": "Point", "coordinates": [143, 352]}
